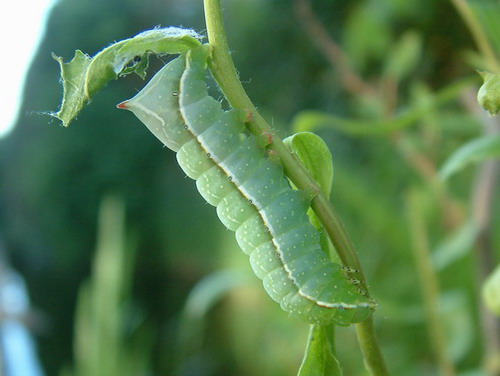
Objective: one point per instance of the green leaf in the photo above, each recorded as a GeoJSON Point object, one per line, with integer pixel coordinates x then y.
{"type": "Point", "coordinates": [491, 291]}
{"type": "Point", "coordinates": [209, 291]}
{"type": "Point", "coordinates": [316, 157]}
{"type": "Point", "coordinates": [202, 298]}
{"type": "Point", "coordinates": [366, 35]}
{"type": "Point", "coordinates": [84, 76]}
{"type": "Point", "coordinates": [458, 323]}
{"type": "Point", "coordinates": [474, 151]}
{"type": "Point", "coordinates": [404, 56]}
{"type": "Point", "coordinates": [456, 246]}
{"type": "Point", "coordinates": [319, 358]}
{"type": "Point", "coordinates": [488, 95]}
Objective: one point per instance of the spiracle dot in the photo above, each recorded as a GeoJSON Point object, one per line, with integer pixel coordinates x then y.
{"type": "Point", "coordinates": [175, 93]}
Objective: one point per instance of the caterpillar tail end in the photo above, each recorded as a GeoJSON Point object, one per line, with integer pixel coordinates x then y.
{"type": "Point", "coordinates": [123, 105]}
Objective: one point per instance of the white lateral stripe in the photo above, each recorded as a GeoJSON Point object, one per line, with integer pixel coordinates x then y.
{"type": "Point", "coordinates": [150, 112]}
{"type": "Point", "coordinates": [247, 195]}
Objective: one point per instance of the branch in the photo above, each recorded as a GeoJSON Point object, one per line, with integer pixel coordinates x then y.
{"type": "Point", "coordinates": [332, 51]}
{"type": "Point", "coordinates": [429, 283]}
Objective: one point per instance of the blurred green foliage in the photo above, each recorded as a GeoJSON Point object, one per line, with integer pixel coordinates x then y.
{"type": "Point", "coordinates": [108, 337]}
{"type": "Point", "coordinates": [407, 52]}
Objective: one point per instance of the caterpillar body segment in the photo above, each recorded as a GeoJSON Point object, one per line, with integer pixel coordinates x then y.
{"type": "Point", "coordinates": [161, 94]}
{"type": "Point", "coordinates": [251, 194]}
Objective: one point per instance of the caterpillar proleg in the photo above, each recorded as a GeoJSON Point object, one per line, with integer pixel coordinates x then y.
{"type": "Point", "coordinates": [251, 194]}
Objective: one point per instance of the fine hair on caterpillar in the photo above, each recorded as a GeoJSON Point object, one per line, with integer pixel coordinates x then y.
{"type": "Point", "coordinates": [250, 192]}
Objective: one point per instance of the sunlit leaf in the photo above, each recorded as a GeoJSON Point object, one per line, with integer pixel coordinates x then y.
{"type": "Point", "coordinates": [488, 95]}
{"type": "Point", "coordinates": [316, 157]}
{"type": "Point", "coordinates": [491, 291]}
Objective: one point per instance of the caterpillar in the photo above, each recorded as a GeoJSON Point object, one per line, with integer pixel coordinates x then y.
{"type": "Point", "coordinates": [251, 193]}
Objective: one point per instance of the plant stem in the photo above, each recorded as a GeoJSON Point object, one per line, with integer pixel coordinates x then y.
{"type": "Point", "coordinates": [483, 195]}
{"type": "Point", "coordinates": [331, 50]}
{"type": "Point", "coordinates": [224, 71]}
{"type": "Point", "coordinates": [483, 201]}
{"type": "Point", "coordinates": [428, 282]}
{"type": "Point", "coordinates": [374, 359]}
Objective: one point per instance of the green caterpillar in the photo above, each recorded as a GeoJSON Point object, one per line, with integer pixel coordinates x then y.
{"type": "Point", "coordinates": [251, 193]}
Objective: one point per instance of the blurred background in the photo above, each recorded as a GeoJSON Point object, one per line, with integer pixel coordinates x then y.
{"type": "Point", "coordinates": [129, 271]}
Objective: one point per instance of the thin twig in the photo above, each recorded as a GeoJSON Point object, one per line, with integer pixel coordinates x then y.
{"type": "Point", "coordinates": [332, 51]}
{"type": "Point", "coordinates": [482, 199]}
{"type": "Point", "coordinates": [428, 282]}
{"type": "Point", "coordinates": [354, 84]}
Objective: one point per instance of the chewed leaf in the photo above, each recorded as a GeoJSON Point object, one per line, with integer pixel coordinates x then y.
{"type": "Point", "coordinates": [319, 358]}
{"type": "Point", "coordinates": [474, 151]}
{"type": "Point", "coordinates": [84, 76]}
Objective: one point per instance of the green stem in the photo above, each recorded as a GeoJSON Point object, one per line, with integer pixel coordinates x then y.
{"type": "Point", "coordinates": [478, 33]}
{"type": "Point", "coordinates": [429, 283]}
{"type": "Point", "coordinates": [374, 359]}
{"type": "Point", "coordinates": [224, 71]}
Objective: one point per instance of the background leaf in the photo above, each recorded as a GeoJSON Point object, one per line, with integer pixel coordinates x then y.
{"type": "Point", "coordinates": [405, 56]}
{"type": "Point", "coordinates": [310, 120]}
{"type": "Point", "coordinates": [474, 151]}
{"type": "Point", "coordinates": [456, 246]}
{"type": "Point", "coordinates": [491, 291]}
